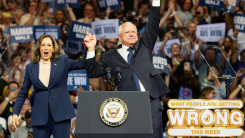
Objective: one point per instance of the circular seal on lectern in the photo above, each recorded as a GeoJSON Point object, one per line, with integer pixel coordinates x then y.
{"type": "Point", "coordinates": [113, 112]}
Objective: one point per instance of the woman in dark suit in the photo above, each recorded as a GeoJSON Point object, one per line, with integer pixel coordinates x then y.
{"type": "Point", "coordinates": [52, 108]}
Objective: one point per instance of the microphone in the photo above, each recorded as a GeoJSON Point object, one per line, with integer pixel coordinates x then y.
{"type": "Point", "coordinates": [118, 72]}
{"type": "Point", "coordinates": [108, 74]}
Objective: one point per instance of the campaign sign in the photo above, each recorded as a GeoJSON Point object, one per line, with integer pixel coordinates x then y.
{"type": "Point", "coordinates": [105, 28]}
{"type": "Point", "coordinates": [211, 32]}
{"type": "Point", "coordinates": [76, 79]}
{"type": "Point", "coordinates": [239, 22]}
{"type": "Point", "coordinates": [160, 63]}
{"type": "Point", "coordinates": [72, 3]}
{"type": "Point", "coordinates": [54, 31]}
{"type": "Point", "coordinates": [113, 4]}
{"type": "Point", "coordinates": [20, 34]}
{"type": "Point", "coordinates": [78, 31]}
{"type": "Point", "coordinates": [167, 47]}
{"type": "Point", "coordinates": [232, 5]}
{"type": "Point", "coordinates": [215, 4]}
{"type": "Point", "coordinates": [73, 47]}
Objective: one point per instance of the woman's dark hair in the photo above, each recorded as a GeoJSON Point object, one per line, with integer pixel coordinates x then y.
{"type": "Point", "coordinates": [228, 38]}
{"type": "Point", "coordinates": [182, 4]}
{"type": "Point", "coordinates": [217, 68]}
{"type": "Point", "coordinates": [5, 133]}
{"type": "Point", "coordinates": [206, 91]}
{"type": "Point", "coordinates": [211, 48]}
{"type": "Point", "coordinates": [15, 55]}
{"type": "Point", "coordinates": [144, 2]}
{"type": "Point", "coordinates": [37, 55]}
{"type": "Point", "coordinates": [64, 13]}
{"type": "Point", "coordinates": [14, 83]}
{"type": "Point", "coordinates": [63, 24]}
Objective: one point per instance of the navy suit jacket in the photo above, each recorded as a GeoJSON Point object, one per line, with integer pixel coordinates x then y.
{"type": "Point", "coordinates": [55, 96]}
{"type": "Point", "coordinates": [141, 62]}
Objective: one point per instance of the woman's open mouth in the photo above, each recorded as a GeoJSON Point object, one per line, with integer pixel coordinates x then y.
{"type": "Point", "coordinates": [46, 54]}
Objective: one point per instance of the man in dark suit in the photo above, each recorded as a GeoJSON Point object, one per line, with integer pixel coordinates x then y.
{"type": "Point", "coordinates": [134, 57]}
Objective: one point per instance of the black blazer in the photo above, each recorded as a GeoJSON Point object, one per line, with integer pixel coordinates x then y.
{"type": "Point", "coordinates": [141, 62]}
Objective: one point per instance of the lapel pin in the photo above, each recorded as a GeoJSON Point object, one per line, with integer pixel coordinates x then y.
{"type": "Point", "coordinates": [55, 64]}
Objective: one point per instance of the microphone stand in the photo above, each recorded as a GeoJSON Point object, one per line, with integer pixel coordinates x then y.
{"type": "Point", "coordinates": [225, 77]}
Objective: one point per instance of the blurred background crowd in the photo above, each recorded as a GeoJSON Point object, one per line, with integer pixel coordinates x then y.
{"type": "Point", "coordinates": [190, 76]}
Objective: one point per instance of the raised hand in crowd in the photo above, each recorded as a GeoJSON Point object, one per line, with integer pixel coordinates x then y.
{"type": "Point", "coordinates": [226, 3]}
{"type": "Point", "coordinates": [180, 59]}
{"type": "Point", "coordinates": [182, 35]}
{"type": "Point", "coordinates": [102, 41]}
{"type": "Point", "coordinates": [235, 88]}
{"type": "Point", "coordinates": [68, 8]}
{"type": "Point", "coordinates": [34, 11]}
{"type": "Point", "coordinates": [80, 89]}
{"type": "Point", "coordinates": [235, 32]}
{"type": "Point", "coordinates": [108, 12]}
{"type": "Point", "coordinates": [240, 73]}
{"type": "Point", "coordinates": [167, 36]}
{"type": "Point", "coordinates": [100, 49]}
{"type": "Point", "coordinates": [90, 42]}
{"type": "Point", "coordinates": [60, 44]}
{"type": "Point", "coordinates": [73, 99]}
{"type": "Point", "coordinates": [171, 6]}
{"type": "Point", "coordinates": [200, 43]}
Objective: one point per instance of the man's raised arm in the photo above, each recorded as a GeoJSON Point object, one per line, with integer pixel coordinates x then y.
{"type": "Point", "coordinates": [151, 32]}
{"type": "Point", "coordinates": [94, 69]}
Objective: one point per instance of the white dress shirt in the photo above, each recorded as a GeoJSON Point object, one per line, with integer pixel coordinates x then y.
{"type": "Point", "coordinates": [124, 53]}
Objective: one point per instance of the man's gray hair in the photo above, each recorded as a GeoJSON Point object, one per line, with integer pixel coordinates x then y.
{"type": "Point", "coordinates": [120, 27]}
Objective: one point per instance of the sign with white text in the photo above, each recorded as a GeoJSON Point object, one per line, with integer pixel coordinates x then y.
{"type": "Point", "coordinates": [54, 31]}
{"type": "Point", "coordinates": [78, 31]}
{"type": "Point", "coordinates": [105, 28]}
{"type": "Point", "coordinates": [76, 79]}
{"type": "Point", "coordinates": [160, 63]}
{"type": "Point", "coordinates": [19, 34]}
{"type": "Point", "coordinates": [211, 32]}
{"type": "Point", "coordinates": [113, 4]}
{"type": "Point", "coordinates": [167, 46]}
{"type": "Point", "coordinates": [72, 3]}
{"type": "Point", "coordinates": [239, 22]}
{"type": "Point", "coordinates": [215, 4]}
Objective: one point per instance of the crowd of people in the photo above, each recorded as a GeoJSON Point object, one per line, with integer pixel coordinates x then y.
{"type": "Point", "coordinates": [190, 76]}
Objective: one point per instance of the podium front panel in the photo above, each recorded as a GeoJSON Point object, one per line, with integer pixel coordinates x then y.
{"type": "Point", "coordinates": [137, 125]}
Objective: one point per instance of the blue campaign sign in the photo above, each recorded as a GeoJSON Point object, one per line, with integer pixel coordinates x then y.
{"type": "Point", "coordinates": [232, 5]}
{"type": "Point", "coordinates": [76, 79]}
{"type": "Point", "coordinates": [160, 63]}
{"type": "Point", "coordinates": [239, 22]}
{"type": "Point", "coordinates": [72, 3]}
{"type": "Point", "coordinates": [47, 30]}
{"type": "Point", "coordinates": [78, 31]}
{"type": "Point", "coordinates": [20, 34]}
{"type": "Point", "coordinates": [215, 4]}
{"type": "Point", "coordinates": [113, 4]}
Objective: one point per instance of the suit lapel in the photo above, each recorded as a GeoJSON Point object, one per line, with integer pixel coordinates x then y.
{"type": "Point", "coordinates": [35, 74]}
{"type": "Point", "coordinates": [117, 55]}
{"type": "Point", "coordinates": [54, 67]}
